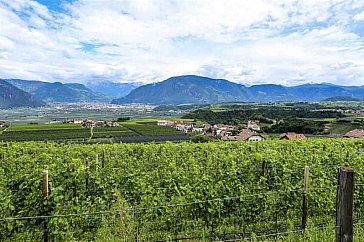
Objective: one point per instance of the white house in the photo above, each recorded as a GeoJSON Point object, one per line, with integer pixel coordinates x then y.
{"type": "Point", "coordinates": [165, 123]}
{"type": "Point", "coordinates": [246, 135]}
{"type": "Point", "coordinates": [253, 125]}
{"type": "Point", "coordinates": [199, 129]}
{"type": "Point", "coordinates": [2, 124]}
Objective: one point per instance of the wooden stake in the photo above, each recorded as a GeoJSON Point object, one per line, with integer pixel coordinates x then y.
{"type": "Point", "coordinates": [305, 199]}
{"type": "Point", "coordinates": [344, 205]}
{"type": "Point", "coordinates": [45, 184]}
{"type": "Point", "coordinates": [103, 159]}
{"type": "Point", "coordinates": [45, 197]}
{"type": "Point", "coordinates": [262, 169]}
{"type": "Point", "coordinates": [86, 164]}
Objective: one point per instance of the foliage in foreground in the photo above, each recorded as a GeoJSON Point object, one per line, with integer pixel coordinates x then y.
{"type": "Point", "coordinates": [262, 181]}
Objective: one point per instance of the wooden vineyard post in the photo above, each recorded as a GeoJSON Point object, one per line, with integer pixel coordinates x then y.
{"type": "Point", "coordinates": [103, 159]}
{"type": "Point", "coordinates": [305, 200]}
{"type": "Point", "coordinates": [45, 197]}
{"type": "Point", "coordinates": [344, 205]}
{"type": "Point", "coordinates": [86, 165]}
{"type": "Point", "coordinates": [262, 169]}
{"type": "Point", "coordinates": [97, 163]}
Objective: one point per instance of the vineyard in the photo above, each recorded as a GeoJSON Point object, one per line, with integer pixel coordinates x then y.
{"type": "Point", "coordinates": [148, 129]}
{"type": "Point", "coordinates": [55, 132]}
{"type": "Point", "coordinates": [102, 132]}
{"type": "Point", "coordinates": [175, 191]}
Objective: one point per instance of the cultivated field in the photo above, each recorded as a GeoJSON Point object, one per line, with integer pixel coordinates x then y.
{"type": "Point", "coordinates": [74, 132]}
{"type": "Point", "coordinates": [221, 191]}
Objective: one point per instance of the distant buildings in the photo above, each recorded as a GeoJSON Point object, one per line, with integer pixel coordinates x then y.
{"type": "Point", "coordinates": [356, 133]}
{"type": "Point", "coordinates": [2, 124]}
{"type": "Point", "coordinates": [199, 129]}
{"type": "Point", "coordinates": [88, 123]}
{"type": "Point", "coordinates": [217, 130]}
{"type": "Point", "coordinates": [292, 136]}
{"type": "Point", "coordinates": [254, 125]}
{"type": "Point", "coordinates": [246, 135]}
{"type": "Point", "coordinates": [165, 123]}
{"type": "Point", "coordinates": [77, 121]}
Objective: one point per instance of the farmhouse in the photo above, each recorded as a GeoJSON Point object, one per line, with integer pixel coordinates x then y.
{"type": "Point", "coordinates": [87, 123]}
{"type": "Point", "coordinates": [198, 129]}
{"type": "Point", "coordinates": [165, 123]}
{"type": "Point", "coordinates": [292, 136]}
{"type": "Point", "coordinates": [356, 133]}
{"type": "Point", "coordinates": [246, 135]}
{"type": "Point", "coordinates": [184, 127]}
{"type": "Point", "coordinates": [112, 124]}
{"type": "Point", "coordinates": [223, 130]}
{"type": "Point", "coordinates": [253, 125]}
{"type": "Point", "coordinates": [91, 123]}
{"type": "Point", "coordinates": [77, 121]}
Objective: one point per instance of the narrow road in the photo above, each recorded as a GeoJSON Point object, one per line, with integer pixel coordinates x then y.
{"type": "Point", "coordinates": [92, 132]}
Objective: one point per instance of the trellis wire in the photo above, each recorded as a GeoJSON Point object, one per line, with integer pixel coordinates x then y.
{"type": "Point", "coordinates": [158, 207]}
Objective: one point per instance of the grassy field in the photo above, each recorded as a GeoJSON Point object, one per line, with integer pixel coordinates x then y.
{"type": "Point", "coordinates": [342, 128]}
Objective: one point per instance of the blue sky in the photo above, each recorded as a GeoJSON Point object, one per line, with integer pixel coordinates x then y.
{"type": "Point", "coordinates": [286, 42]}
{"type": "Point", "coordinates": [54, 5]}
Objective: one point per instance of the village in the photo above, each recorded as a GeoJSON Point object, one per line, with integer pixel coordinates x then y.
{"type": "Point", "coordinates": [249, 132]}
{"type": "Point", "coordinates": [252, 130]}
{"type": "Point", "coordinates": [88, 123]}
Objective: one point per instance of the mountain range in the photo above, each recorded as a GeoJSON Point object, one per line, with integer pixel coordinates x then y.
{"type": "Point", "coordinates": [188, 89]}
{"type": "Point", "coordinates": [112, 89]}
{"type": "Point", "coordinates": [11, 96]}
{"type": "Point", "coordinates": [203, 90]}
{"type": "Point", "coordinates": [58, 92]}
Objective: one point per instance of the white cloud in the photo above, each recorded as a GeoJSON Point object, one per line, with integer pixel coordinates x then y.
{"type": "Point", "coordinates": [359, 16]}
{"type": "Point", "coordinates": [135, 40]}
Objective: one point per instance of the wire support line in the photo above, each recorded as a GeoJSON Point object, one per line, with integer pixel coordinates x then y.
{"type": "Point", "coordinates": [161, 206]}
{"type": "Point", "coordinates": [156, 207]}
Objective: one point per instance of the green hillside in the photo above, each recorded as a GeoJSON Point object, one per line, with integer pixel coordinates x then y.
{"type": "Point", "coordinates": [11, 96]}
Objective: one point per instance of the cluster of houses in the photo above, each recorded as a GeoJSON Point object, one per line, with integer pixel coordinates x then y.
{"type": "Point", "coordinates": [227, 132]}
{"type": "Point", "coordinates": [246, 135]}
{"type": "Point", "coordinates": [251, 135]}
{"type": "Point", "coordinates": [88, 123]}
{"type": "Point", "coordinates": [207, 129]}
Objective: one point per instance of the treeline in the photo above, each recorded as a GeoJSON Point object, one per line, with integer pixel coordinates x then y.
{"type": "Point", "coordinates": [263, 114]}
{"type": "Point", "coordinates": [298, 126]}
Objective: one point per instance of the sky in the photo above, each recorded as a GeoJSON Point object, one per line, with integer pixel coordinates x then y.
{"type": "Point", "coordinates": [249, 42]}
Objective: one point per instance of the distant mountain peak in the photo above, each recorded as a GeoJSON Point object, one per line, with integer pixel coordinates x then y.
{"type": "Point", "coordinates": [58, 92]}
{"type": "Point", "coordinates": [203, 90]}
{"type": "Point", "coordinates": [112, 89]}
{"type": "Point", "coordinates": [11, 96]}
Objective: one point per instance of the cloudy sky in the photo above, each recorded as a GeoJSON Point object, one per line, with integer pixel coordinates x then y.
{"type": "Point", "coordinates": [273, 41]}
